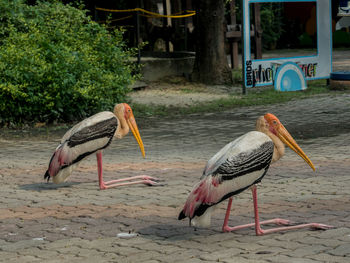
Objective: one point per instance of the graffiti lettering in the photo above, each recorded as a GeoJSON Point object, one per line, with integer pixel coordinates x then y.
{"type": "Point", "coordinates": [262, 75]}
{"type": "Point", "coordinates": [249, 78]}
{"type": "Point", "coordinates": [309, 70]}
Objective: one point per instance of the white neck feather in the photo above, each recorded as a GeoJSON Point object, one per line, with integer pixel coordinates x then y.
{"type": "Point", "coordinates": [279, 147]}
{"type": "Point", "coordinates": [123, 127]}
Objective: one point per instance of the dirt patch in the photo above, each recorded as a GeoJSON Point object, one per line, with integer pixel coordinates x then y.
{"type": "Point", "coordinates": [176, 91]}
{"type": "Point", "coordinates": [172, 98]}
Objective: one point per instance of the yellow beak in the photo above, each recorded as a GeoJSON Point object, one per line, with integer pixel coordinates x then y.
{"type": "Point", "coordinates": [285, 137]}
{"type": "Point", "coordinates": [135, 131]}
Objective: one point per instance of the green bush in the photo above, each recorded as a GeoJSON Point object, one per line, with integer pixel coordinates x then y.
{"type": "Point", "coordinates": [57, 64]}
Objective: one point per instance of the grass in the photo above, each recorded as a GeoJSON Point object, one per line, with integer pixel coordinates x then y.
{"type": "Point", "coordinates": [258, 96]}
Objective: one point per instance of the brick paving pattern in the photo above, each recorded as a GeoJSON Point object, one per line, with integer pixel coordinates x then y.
{"type": "Point", "coordinates": [76, 222]}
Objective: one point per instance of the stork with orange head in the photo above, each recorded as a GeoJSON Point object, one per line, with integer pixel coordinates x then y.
{"type": "Point", "coordinates": [240, 165]}
{"type": "Point", "coordinates": [90, 136]}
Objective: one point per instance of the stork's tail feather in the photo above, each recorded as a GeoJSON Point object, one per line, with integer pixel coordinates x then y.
{"type": "Point", "coordinates": [59, 158]}
{"type": "Point", "coordinates": [181, 215]}
{"type": "Point", "coordinates": [199, 199]}
{"type": "Point", "coordinates": [47, 175]}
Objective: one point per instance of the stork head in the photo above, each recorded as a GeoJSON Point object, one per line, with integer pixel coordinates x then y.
{"type": "Point", "coordinates": [273, 125]}
{"type": "Point", "coordinates": [124, 112]}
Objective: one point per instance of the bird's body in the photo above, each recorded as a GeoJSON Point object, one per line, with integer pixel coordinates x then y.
{"type": "Point", "coordinates": [85, 138]}
{"type": "Point", "coordinates": [238, 166]}
{"type": "Point", "coordinates": [92, 135]}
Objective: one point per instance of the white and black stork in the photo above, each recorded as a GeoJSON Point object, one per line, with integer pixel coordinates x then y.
{"type": "Point", "coordinates": [238, 166]}
{"type": "Point", "coordinates": [92, 135]}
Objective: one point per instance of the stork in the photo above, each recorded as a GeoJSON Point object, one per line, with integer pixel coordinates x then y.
{"type": "Point", "coordinates": [92, 135]}
{"type": "Point", "coordinates": [238, 166]}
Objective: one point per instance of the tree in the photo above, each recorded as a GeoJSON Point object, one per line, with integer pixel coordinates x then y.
{"type": "Point", "coordinates": [210, 64]}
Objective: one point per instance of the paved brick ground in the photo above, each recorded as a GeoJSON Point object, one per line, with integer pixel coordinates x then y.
{"type": "Point", "coordinates": [76, 222]}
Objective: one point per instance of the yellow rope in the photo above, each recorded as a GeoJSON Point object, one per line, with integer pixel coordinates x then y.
{"type": "Point", "coordinates": [113, 20]}
{"type": "Point", "coordinates": [151, 16]}
{"type": "Point", "coordinates": [190, 13]}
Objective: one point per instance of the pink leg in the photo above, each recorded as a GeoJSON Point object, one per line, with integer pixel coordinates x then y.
{"type": "Point", "coordinates": [260, 232]}
{"type": "Point", "coordinates": [114, 183]}
{"type": "Point", "coordinates": [257, 224]}
{"type": "Point", "coordinates": [226, 228]}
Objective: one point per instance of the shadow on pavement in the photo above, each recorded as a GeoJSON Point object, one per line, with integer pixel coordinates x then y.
{"type": "Point", "coordinates": [46, 186]}
{"type": "Point", "coordinates": [173, 232]}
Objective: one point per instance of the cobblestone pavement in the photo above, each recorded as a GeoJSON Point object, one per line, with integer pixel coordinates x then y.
{"type": "Point", "coordinates": [76, 222]}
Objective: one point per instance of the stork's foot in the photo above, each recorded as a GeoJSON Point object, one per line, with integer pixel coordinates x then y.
{"type": "Point", "coordinates": [226, 229]}
{"type": "Point", "coordinates": [150, 182]}
{"type": "Point", "coordinates": [103, 186]}
{"type": "Point", "coordinates": [260, 232]}
{"type": "Point", "coordinates": [317, 226]}
{"type": "Point", "coordinates": [277, 221]}
{"type": "Point", "coordinates": [142, 177]}
{"type": "Point", "coordinates": [145, 179]}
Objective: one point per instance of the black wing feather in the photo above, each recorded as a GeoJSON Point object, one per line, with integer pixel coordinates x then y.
{"type": "Point", "coordinates": [246, 162]}
{"type": "Point", "coordinates": [105, 128]}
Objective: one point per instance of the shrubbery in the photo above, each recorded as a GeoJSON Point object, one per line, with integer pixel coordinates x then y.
{"type": "Point", "coordinates": [57, 64]}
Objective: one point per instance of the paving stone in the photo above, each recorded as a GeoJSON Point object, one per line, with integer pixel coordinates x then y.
{"type": "Point", "coordinates": [194, 260]}
{"type": "Point", "coordinates": [185, 254]}
{"type": "Point", "coordinates": [242, 260]}
{"type": "Point", "coordinates": [295, 259]}
{"type": "Point", "coordinates": [335, 233]}
{"type": "Point", "coordinates": [323, 257]}
{"type": "Point", "coordinates": [16, 246]}
{"type": "Point", "coordinates": [147, 255]}
{"type": "Point", "coordinates": [244, 246]}
{"type": "Point", "coordinates": [341, 250]}
{"type": "Point", "coordinates": [63, 243]}
{"type": "Point", "coordinates": [309, 250]}
{"type": "Point", "coordinates": [126, 251]}
{"type": "Point", "coordinates": [6, 256]}
{"type": "Point", "coordinates": [24, 259]}
{"type": "Point", "coordinates": [291, 245]}
{"type": "Point", "coordinates": [75, 259]}
{"type": "Point", "coordinates": [170, 249]}
{"type": "Point", "coordinates": [315, 240]}
{"type": "Point", "coordinates": [216, 256]}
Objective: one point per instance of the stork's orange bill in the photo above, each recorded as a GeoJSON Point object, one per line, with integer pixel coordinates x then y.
{"type": "Point", "coordinates": [286, 138]}
{"type": "Point", "coordinates": [135, 131]}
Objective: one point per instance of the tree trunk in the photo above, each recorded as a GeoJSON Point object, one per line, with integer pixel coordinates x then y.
{"type": "Point", "coordinates": [210, 64]}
